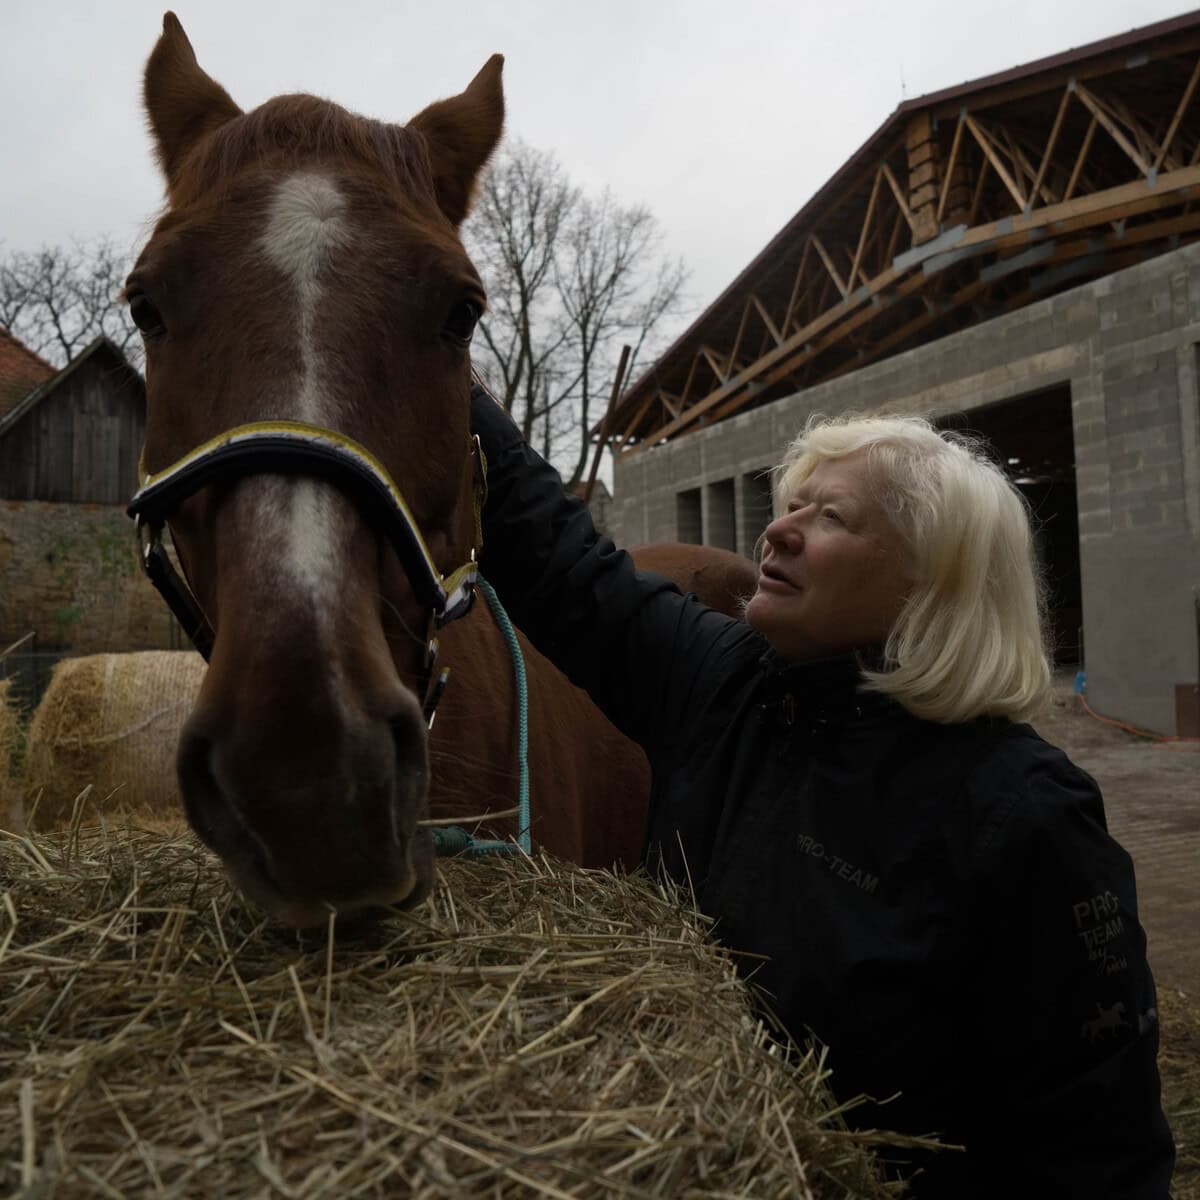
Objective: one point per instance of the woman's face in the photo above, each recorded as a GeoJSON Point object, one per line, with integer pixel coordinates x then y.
{"type": "Point", "coordinates": [832, 576]}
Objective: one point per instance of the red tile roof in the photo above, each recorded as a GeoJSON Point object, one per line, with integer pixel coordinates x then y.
{"type": "Point", "coordinates": [20, 371]}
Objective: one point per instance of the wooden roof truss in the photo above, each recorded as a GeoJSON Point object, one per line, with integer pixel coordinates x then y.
{"type": "Point", "coordinates": [958, 211]}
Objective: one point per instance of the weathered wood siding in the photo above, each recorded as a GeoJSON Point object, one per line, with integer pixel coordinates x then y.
{"type": "Point", "coordinates": [80, 443]}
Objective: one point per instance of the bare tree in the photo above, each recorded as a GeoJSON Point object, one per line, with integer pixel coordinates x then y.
{"type": "Point", "coordinates": [570, 279]}
{"type": "Point", "coordinates": [513, 234]}
{"type": "Point", "coordinates": [614, 288]}
{"type": "Point", "coordinates": [59, 300]}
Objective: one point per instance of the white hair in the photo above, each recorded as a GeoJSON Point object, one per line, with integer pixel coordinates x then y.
{"type": "Point", "coordinates": [969, 641]}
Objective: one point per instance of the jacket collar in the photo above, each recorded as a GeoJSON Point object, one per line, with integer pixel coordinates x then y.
{"type": "Point", "coordinates": [819, 693]}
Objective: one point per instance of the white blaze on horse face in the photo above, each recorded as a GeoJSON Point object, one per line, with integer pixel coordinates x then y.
{"type": "Point", "coordinates": [306, 226]}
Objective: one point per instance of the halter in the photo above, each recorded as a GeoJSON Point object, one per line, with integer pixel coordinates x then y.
{"type": "Point", "coordinates": [294, 447]}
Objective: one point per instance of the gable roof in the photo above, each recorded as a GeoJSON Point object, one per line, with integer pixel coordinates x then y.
{"type": "Point", "coordinates": [965, 203]}
{"type": "Point", "coordinates": [101, 347]}
{"type": "Point", "coordinates": [20, 371]}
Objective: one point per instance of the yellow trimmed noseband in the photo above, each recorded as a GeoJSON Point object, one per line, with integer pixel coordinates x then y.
{"type": "Point", "coordinates": [293, 447]}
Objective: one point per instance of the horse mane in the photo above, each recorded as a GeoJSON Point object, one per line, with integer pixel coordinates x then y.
{"type": "Point", "coordinates": [298, 129]}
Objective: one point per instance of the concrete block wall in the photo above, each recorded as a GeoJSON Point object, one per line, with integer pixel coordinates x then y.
{"type": "Point", "coordinates": [1127, 346]}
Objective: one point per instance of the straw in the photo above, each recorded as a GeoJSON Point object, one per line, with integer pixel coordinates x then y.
{"type": "Point", "coordinates": [112, 721]}
{"type": "Point", "coordinates": [534, 1029]}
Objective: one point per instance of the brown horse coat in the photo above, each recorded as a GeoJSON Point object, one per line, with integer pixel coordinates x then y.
{"type": "Point", "coordinates": [589, 785]}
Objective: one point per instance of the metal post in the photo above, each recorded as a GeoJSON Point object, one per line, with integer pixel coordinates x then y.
{"type": "Point", "coordinates": [603, 439]}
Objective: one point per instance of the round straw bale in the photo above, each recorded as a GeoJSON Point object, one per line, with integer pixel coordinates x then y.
{"type": "Point", "coordinates": [534, 1029]}
{"type": "Point", "coordinates": [11, 816]}
{"type": "Point", "coordinates": [111, 722]}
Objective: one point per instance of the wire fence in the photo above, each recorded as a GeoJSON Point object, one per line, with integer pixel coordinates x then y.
{"type": "Point", "coordinates": [29, 669]}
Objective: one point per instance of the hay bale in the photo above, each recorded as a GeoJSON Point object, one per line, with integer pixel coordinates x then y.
{"type": "Point", "coordinates": [111, 722]}
{"type": "Point", "coordinates": [534, 1029]}
{"type": "Point", "coordinates": [11, 816]}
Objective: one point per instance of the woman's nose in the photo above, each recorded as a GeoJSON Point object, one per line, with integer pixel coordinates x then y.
{"type": "Point", "coordinates": [787, 531]}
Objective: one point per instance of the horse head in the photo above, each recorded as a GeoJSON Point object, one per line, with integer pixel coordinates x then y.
{"type": "Point", "coordinates": [306, 304]}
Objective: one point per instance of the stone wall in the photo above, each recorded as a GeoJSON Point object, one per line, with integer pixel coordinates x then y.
{"type": "Point", "coordinates": [69, 573]}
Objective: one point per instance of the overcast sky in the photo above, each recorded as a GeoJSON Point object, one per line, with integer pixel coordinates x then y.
{"type": "Point", "coordinates": [723, 116]}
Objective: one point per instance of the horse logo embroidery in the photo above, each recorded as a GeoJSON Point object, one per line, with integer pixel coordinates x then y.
{"type": "Point", "coordinates": [1106, 1020]}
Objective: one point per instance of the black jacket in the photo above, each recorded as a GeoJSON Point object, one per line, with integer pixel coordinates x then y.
{"type": "Point", "coordinates": [940, 905]}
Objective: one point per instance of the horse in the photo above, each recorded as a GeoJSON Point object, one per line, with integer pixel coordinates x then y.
{"type": "Point", "coordinates": [307, 307]}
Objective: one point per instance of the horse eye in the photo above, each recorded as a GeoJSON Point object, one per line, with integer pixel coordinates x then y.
{"type": "Point", "coordinates": [145, 316]}
{"type": "Point", "coordinates": [461, 321]}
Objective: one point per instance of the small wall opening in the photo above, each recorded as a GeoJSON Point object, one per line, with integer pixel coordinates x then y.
{"type": "Point", "coordinates": [688, 524]}
{"type": "Point", "coordinates": [720, 519]}
{"type": "Point", "coordinates": [756, 509]}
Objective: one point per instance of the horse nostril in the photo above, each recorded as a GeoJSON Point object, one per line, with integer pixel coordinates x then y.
{"type": "Point", "coordinates": [208, 810]}
{"type": "Point", "coordinates": [411, 772]}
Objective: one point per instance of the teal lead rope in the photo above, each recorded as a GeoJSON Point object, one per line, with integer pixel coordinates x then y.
{"type": "Point", "coordinates": [453, 839]}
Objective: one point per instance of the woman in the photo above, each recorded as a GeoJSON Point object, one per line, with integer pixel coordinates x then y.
{"type": "Point", "coordinates": [844, 780]}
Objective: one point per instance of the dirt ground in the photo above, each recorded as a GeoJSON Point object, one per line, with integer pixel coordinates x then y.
{"type": "Point", "coordinates": [1152, 798]}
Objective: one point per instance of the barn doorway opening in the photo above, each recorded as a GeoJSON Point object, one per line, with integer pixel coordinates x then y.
{"type": "Point", "coordinates": [1033, 437]}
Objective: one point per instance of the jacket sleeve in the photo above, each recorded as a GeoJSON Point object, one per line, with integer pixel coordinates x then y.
{"type": "Point", "coordinates": [1062, 1025]}
{"type": "Point", "coordinates": [628, 638]}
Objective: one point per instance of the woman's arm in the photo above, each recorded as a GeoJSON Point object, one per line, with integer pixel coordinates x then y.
{"type": "Point", "coordinates": [1063, 1015]}
{"type": "Point", "coordinates": [629, 639]}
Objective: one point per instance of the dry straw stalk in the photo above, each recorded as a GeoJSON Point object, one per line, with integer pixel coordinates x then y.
{"type": "Point", "coordinates": [10, 738]}
{"type": "Point", "coordinates": [533, 1030]}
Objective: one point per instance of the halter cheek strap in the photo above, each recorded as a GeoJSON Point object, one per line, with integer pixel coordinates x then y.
{"type": "Point", "coordinates": [173, 588]}
{"type": "Point", "coordinates": [297, 448]}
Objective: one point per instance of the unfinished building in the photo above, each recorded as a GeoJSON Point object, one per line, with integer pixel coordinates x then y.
{"type": "Point", "coordinates": [1017, 256]}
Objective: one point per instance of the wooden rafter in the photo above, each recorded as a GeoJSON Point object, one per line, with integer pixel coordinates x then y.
{"type": "Point", "coordinates": [631, 426]}
{"type": "Point", "coordinates": [1180, 109]}
{"type": "Point", "coordinates": [808, 351]}
{"type": "Point", "coordinates": [737, 341]}
{"type": "Point", "coordinates": [897, 226]}
{"type": "Point", "coordinates": [823, 254]}
{"type": "Point", "coordinates": [882, 346]}
{"type": "Point", "coordinates": [1101, 113]}
{"type": "Point", "coordinates": [901, 201]}
{"type": "Point", "coordinates": [977, 197]}
{"type": "Point", "coordinates": [1080, 159]}
{"type": "Point", "coordinates": [1026, 167]}
{"type": "Point", "coordinates": [766, 319]}
{"type": "Point", "coordinates": [951, 163]}
{"type": "Point", "coordinates": [710, 357]}
{"type": "Point", "coordinates": [856, 261]}
{"type": "Point", "coordinates": [1051, 143]}
{"type": "Point", "coordinates": [991, 152]}
{"type": "Point", "coordinates": [691, 376]}
{"type": "Point", "coordinates": [791, 305]}
{"type": "Point", "coordinates": [855, 276]}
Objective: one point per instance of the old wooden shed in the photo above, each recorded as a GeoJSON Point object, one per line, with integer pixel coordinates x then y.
{"type": "Point", "coordinates": [76, 437]}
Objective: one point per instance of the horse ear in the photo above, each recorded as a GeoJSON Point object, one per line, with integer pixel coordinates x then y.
{"type": "Point", "coordinates": [182, 102]}
{"type": "Point", "coordinates": [462, 133]}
